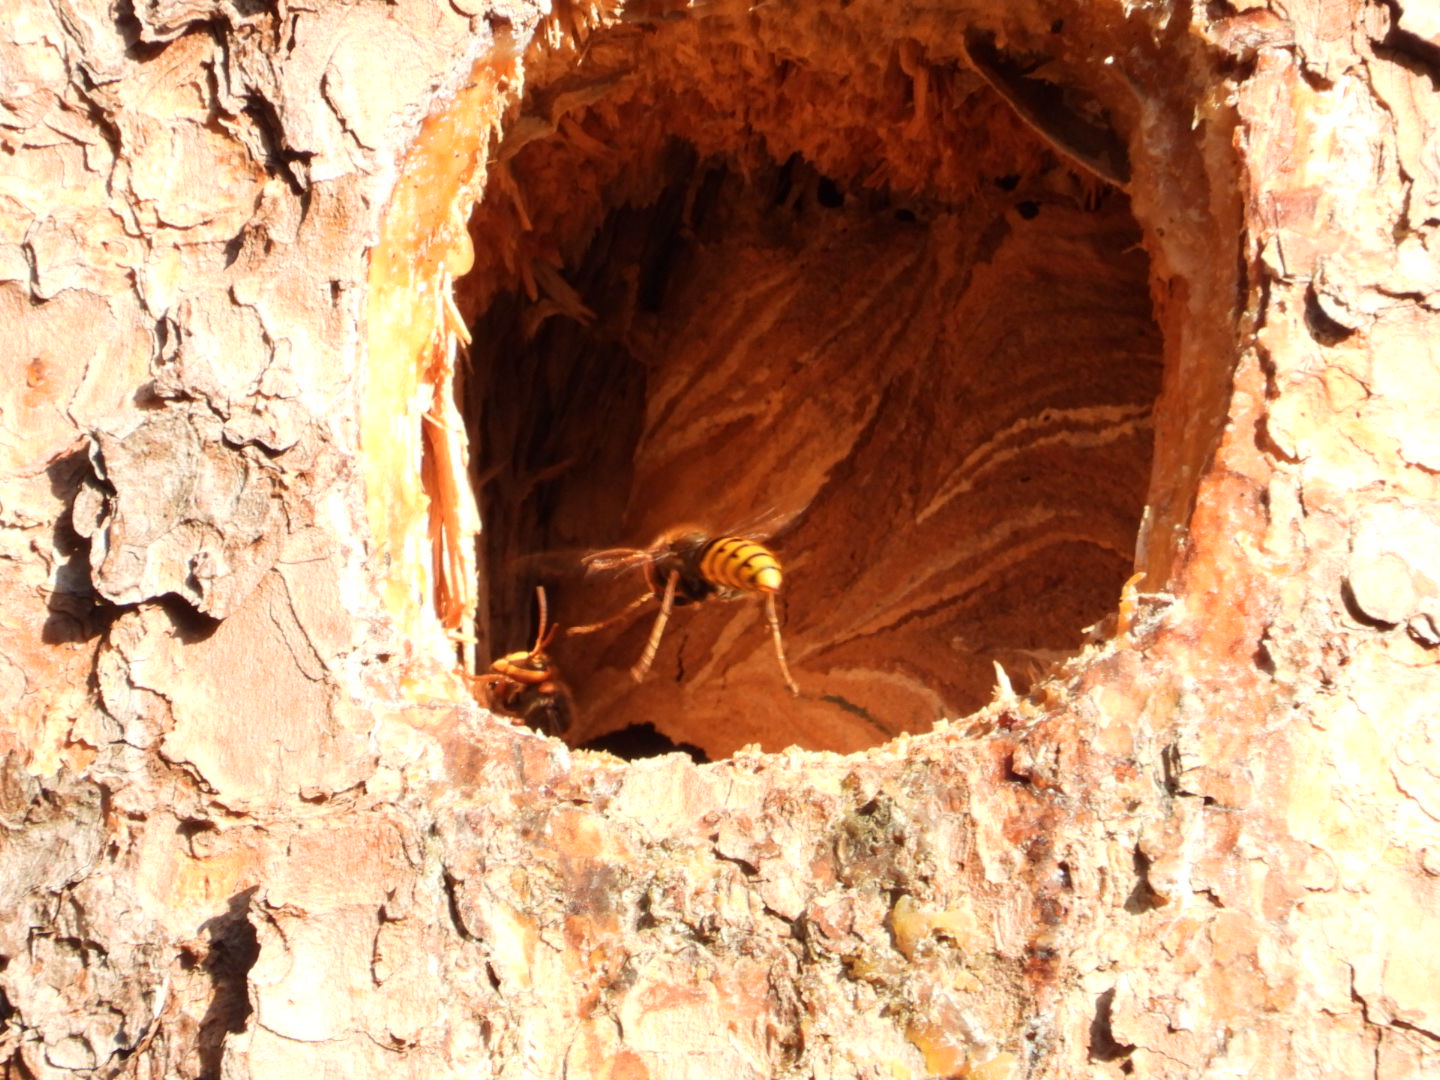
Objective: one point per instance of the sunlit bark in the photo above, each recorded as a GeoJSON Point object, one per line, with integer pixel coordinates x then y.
{"type": "Point", "coordinates": [978, 308]}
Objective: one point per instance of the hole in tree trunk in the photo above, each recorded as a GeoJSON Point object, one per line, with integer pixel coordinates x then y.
{"type": "Point", "coordinates": [851, 303]}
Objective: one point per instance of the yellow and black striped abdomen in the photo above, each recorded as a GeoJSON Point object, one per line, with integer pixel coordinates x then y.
{"type": "Point", "coordinates": [733, 562]}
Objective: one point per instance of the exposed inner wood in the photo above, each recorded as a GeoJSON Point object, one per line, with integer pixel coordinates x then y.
{"type": "Point", "coordinates": [424, 533]}
{"type": "Point", "coordinates": [879, 320]}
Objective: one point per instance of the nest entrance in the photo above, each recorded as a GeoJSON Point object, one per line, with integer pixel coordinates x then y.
{"type": "Point", "coordinates": [852, 303]}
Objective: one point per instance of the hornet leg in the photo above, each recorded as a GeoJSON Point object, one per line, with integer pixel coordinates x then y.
{"type": "Point", "coordinates": [779, 645]}
{"type": "Point", "coordinates": [626, 610]}
{"type": "Point", "coordinates": [666, 603]}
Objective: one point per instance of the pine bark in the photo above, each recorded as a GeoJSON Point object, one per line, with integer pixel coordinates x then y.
{"type": "Point", "coordinates": [257, 824]}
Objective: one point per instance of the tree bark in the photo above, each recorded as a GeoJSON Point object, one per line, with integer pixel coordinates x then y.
{"type": "Point", "coordinates": [334, 330]}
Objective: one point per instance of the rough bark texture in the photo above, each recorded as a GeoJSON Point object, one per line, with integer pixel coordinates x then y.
{"type": "Point", "coordinates": [978, 307]}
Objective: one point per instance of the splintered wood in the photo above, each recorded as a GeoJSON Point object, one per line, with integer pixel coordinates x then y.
{"type": "Point", "coordinates": [421, 502]}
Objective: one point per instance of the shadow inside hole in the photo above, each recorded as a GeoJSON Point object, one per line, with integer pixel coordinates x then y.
{"type": "Point", "coordinates": [947, 397]}
{"type": "Point", "coordinates": [642, 741]}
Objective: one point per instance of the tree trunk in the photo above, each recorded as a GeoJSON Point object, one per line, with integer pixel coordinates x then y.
{"type": "Point", "coordinates": [336, 330]}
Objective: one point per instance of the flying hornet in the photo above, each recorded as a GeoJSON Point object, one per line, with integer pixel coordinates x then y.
{"type": "Point", "coordinates": [686, 565]}
{"type": "Point", "coordinates": [525, 685]}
